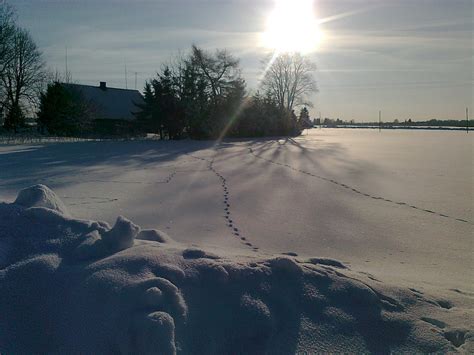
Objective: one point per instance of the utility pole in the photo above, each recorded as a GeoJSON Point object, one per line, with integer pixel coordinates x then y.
{"type": "Point", "coordinates": [66, 79]}
{"type": "Point", "coordinates": [136, 80]}
{"type": "Point", "coordinates": [380, 121]}
{"type": "Point", "coordinates": [320, 122]}
{"type": "Point", "coordinates": [467, 120]}
{"type": "Point", "coordinates": [126, 83]}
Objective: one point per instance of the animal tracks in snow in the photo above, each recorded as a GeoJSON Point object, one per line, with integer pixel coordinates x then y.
{"type": "Point", "coordinates": [92, 200]}
{"type": "Point", "coordinates": [230, 222]}
{"type": "Point", "coordinates": [166, 180]}
{"type": "Point", "coordinates": [350, 188]}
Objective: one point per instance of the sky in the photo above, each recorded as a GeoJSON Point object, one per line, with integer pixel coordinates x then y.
{"type": "Point", "coordinates": [408, 58]}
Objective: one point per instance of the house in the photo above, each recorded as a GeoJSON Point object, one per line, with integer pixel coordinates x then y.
{"type": "Point", "coordinates": [113, 109]}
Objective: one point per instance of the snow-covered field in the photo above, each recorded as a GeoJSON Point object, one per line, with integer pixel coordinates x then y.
{"type": "Point", "coordinates": [396, 208]}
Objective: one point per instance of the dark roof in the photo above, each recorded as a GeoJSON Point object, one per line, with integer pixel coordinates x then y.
{"type": "Point", "coordinates": [110, 103]}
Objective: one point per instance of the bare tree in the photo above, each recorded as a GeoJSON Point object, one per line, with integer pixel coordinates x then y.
{"type": "Point", "coordinates": [289, 80]}
{"type": "Point", "coordinates": [7, 30]}
{"type": "Point", "coordinates": [23, 77]}
{"type": "Point", "coordinates": [221, 71]}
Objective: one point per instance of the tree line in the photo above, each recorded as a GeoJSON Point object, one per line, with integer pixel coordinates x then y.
{"type": "Point", "coordinates": [200, 95]}
{"type": "Point", "coordinates": [203, 95]}
{"type": "Point", "coordinates": [329, 122]}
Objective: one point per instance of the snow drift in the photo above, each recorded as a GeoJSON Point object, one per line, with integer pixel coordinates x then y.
{"type": "Point", "coordinates": [75, 286]}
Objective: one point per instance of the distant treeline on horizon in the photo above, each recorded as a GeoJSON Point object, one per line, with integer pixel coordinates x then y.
{"type": "Point", "coordinates": [328, 122]}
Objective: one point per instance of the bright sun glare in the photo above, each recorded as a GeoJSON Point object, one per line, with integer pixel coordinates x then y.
{"type": "Point", "coordinates": [292, 27]}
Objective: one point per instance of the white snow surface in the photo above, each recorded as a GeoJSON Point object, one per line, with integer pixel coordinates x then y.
{"type": "Point", "coordinates": [338, 240]}
{"type": "Point", "coordinates": [397, 204]}
{"type": "Point", "coordinates": [77, 286]}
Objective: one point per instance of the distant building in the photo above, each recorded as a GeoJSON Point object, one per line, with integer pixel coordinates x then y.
{"type": "Point", "coordinates": [114, 109]}
{"type": "Point", "coordinates": [109, 103]}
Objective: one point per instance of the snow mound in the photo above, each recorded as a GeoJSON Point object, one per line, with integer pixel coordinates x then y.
{"type": "Point", "coordinates": [326, 261]}
{"type": "Point", "coordinates": [153, 235]}
{"type": "Point", "coordinates": [40, 196]}
{"type": "Point", "coordinates": [72, 286]}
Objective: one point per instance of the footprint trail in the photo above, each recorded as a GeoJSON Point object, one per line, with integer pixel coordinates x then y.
{"type": "Point", "coordinates": [230, 222]}
{"type": "Point", "coordinates": [350, 188]}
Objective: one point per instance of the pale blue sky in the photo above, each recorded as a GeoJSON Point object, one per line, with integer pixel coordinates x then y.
{"type": "Point", "coordinates": [409, 58]}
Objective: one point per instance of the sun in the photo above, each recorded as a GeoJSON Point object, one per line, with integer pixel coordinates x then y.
{"type": "Point", "coordinates": [292, 27]}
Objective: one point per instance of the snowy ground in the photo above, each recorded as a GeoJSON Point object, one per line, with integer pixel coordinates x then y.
{"type": "Point", "coordinates": [396, 207]}
{"type": "Point", "coordinates": [397, 204]}
{"type": "Point", "coordinates": [77, 286]}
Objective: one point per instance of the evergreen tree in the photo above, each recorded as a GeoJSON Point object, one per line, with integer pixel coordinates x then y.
{"type": "Point", "coordinates": [304, 119]}
{"type": "Point", "coordinates": [149, 116]}
{"type": "Point", "coordinates": [304, 114]}
{"type": "Point", "coordinates": [63, 111]}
